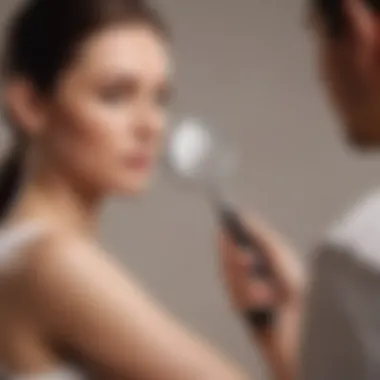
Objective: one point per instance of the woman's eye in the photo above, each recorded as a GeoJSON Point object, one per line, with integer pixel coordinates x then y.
{"type": "Point", "coordinates": [164, 97]}
{"type": "Point", "coordinates": [112, 95]}
{"type": "Point", "coordinates": [118, 93]}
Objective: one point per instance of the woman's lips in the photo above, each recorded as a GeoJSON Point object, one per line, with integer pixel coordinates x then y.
{"type": "Point", "coordinates": [139, 162]}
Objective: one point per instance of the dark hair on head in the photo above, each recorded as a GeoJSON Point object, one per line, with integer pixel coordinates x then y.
{"type": "Point", "coordinates": [42, 41]}
{"type": "Point", "coordinates": [332, 13]}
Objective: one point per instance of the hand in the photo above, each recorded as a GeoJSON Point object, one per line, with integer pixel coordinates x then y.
{"type": "Point", "coordinates": [283, 292]}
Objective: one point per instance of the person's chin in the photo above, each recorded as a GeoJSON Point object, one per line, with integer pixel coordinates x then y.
{"type": "Point", "coordinates": [135, 186]}
{"type": "Point", "coordinates": [362, 142]}
{"type": "Point", "coordinates": [356, 136]}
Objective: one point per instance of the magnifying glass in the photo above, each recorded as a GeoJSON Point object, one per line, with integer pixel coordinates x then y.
{"type": "Point", "coordinates": [204, 162]}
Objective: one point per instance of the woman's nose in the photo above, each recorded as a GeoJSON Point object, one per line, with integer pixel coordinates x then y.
{"type": "Point", "coordinates": [149, 125]}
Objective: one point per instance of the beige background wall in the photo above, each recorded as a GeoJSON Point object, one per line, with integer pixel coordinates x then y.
{"type": "Point", "coordinates": [247, 67]}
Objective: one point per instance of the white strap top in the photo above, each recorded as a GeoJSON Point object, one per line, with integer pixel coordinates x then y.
{"type": "Point", "coordinates": [59, 374]}
{"type": "Point", "coordinates": [12, 240]}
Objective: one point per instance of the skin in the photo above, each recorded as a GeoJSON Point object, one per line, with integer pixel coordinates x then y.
{"type": "Point", "coordinates": [349, 68]}
{"type": "Point", "coordinates": [98, 135]}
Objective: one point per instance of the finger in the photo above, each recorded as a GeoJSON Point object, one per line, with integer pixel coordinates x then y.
{"type": "Point", "coordinates": [239, 262]}
{"type": "Point", "coordinates": [247, 290]}
{"type": "Point", "coordinates": [234, 259]}
{"type": "Point", "coordinates": [262, 295]}
{"type": "Point", "coordinates": [236, 270]}
{"type": "Point", "coordinates": [239, 266]}
{"type": "Point", "coordinates": [281, 259]}
{"type": "Point", "coordinates": [257, 295]}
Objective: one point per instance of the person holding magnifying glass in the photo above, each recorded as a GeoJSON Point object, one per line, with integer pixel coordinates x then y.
{"type": "Point", "coordinates": [327, 322]}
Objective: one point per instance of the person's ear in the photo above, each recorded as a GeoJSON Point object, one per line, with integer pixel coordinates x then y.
{"type": "Point", "coordinates": [25, 106]}
{"type": "Point", "coordinates": [363, 26]}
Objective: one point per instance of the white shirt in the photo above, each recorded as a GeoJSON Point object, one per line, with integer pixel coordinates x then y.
{"type": "Point", "coordinates": [342, 329]}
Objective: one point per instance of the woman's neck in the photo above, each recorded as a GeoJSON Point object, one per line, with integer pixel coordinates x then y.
{"type": "Point", "coordinates": [52, 197]}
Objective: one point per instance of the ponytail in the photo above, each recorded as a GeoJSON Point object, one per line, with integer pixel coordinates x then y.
{"type": "Point", "coordinates": [11, 175]}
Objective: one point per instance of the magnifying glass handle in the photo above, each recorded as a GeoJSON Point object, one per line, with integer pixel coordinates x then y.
{"type": "Point", "coordinates": [260, 317]}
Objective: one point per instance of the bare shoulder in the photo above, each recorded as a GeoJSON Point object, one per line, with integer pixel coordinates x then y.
{"type": "Point", "coordinates": [58, 257]}
{"type": "Point", "coordinates": [62, 269]}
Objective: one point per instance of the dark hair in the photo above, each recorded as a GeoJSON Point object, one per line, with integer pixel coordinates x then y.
{"type": "Point", "coordinates": [333, 14]}
{"type": "Point", "coordinates": [42, 41]}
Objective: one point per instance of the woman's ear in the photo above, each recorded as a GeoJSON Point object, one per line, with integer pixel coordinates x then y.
{"type": "Point", "coordinates": [25, 106]}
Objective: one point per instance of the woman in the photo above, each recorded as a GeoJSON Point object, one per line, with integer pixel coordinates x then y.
{"type": "Point", "coordinates": [86, 90]}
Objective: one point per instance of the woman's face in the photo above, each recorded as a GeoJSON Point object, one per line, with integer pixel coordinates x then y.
{"type": "Point", "coordinates": [105, 124]}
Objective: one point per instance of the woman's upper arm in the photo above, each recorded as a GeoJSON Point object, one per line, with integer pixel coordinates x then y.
{"type": "Point", "coordinates": [92, 307]}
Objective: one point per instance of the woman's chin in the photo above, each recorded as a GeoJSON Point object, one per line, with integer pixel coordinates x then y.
{"type": "Point", "coordinates": [135, 186]}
